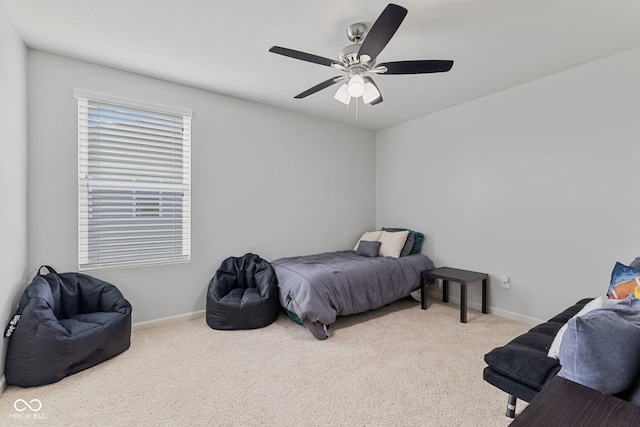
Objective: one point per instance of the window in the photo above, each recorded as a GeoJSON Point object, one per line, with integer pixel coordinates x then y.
{"type": "Point", "coordinates": [134, 182]}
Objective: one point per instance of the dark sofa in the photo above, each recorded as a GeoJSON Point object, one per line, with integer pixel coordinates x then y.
{"type": "Point", "coordinates": [522, 368]}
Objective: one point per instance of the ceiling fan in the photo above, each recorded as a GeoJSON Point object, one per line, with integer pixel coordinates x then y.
{"type": "Point", "coordinates": [359, 59]}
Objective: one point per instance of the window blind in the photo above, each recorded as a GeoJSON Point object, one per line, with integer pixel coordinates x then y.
{"type": "Point", "coordinates": [134, 184]}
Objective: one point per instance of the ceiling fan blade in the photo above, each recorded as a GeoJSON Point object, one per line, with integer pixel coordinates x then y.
{"type": "Point", "coordinates": [382, 30]}
{"type": "Point", "coordinates": [378, 99]}
{"type": "Point", "coordinates": [303, 56]}
{"type": "Point", "coordinates": [325, 84]}
{"type": "Point", "coordinates": [416, 67]}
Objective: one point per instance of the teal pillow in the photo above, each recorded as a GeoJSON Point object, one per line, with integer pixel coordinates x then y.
{"type": "Point", "coordinates": [293, 316]}
{"type": "Point", "coordinates": [418, 239]}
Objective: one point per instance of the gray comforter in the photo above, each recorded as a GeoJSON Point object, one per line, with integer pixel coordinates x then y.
{"type": "Point", "coordinates": [318, 288]}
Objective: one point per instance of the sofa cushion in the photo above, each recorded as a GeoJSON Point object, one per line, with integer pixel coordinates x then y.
{"type": "Point", "coordinates": [570, 312]}
{"type": "Point", "coordinates": [524, 359]}
{"type": "Point", "coordinates": [601, 349]}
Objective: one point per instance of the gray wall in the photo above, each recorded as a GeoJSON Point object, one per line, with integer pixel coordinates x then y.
{"type": "Point", "coordinates": [264, 180]}
{"type": "Point", "coordinates": [535, 182]}
{"type": "Point", "coordinates": [13, 171]}
{"type": "Point", "coordinates": [538, 182]}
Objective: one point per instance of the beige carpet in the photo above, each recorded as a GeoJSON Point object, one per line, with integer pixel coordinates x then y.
{"type": "Point", "coordinates": [394, 366]}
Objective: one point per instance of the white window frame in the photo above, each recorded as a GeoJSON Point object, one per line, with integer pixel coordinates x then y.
{"type": "Point", "coordinates": [147, 168]}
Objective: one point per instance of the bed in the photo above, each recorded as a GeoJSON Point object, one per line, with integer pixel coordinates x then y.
{"type": "Point", "coordinates": [315, 289]}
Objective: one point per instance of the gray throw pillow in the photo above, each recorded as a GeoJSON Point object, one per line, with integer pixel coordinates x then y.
{"type": "Point", "coordinates": [408, 245]}
{"type": "Point", "coordinates": [635, 263]}
{"type": "Point", "coordinates": [633, 394]}
{"type": "Point", "coordinates": [368, 248]}
{"type": "Point", "coordinates": [601, 349]}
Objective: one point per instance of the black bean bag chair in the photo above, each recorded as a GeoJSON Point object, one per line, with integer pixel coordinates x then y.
{"type": "Point", "coordinates": [243, 294]}
{"type": "Point", "coordinates": [65, 323]}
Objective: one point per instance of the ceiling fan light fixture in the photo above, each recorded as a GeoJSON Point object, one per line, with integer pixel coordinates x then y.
{"type": "Point", "coordinates": [356, 86]}
{"type": "Point", "coordinates": [342, 94]}
{"type": "Point", "coordinates": [371, 93]}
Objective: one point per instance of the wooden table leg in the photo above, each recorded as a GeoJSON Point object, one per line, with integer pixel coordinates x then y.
{"type": "Point", "coordinates": [423, 294]}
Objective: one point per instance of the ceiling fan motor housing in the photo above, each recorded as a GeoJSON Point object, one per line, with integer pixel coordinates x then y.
{"type": "Point", "coordinates": [356, 32]}
{"type": "Point", "coordinates": [349, 55]}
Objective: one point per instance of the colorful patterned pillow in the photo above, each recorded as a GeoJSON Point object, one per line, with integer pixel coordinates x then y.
{"type": "Point", "coordinates": [624, 281]}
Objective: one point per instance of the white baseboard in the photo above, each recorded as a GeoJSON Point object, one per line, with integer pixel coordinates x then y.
{"type": "Point", "coordinates": [493, 310]}
{"type": "Point", "coordinates": [168, 320]}
{"type": "Point", "coordinates": [531, 321]}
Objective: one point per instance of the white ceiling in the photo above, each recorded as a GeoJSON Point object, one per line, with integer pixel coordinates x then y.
{"type": "Point", "coordinates": [222, 45]}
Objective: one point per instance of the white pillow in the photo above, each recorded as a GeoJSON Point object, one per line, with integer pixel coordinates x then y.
{"type": "Point", "coordinates": [392, 243]}
{"type": "Point", "coordinates": [371, 236]}
{"type": "Point", "coordinates": [600, 302]}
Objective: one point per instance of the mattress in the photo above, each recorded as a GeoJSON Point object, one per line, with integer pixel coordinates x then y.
{"type": "Point", "coordinates": [318, 288]}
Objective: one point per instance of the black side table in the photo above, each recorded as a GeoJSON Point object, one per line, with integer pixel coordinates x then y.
{"type": "Point", "coordinates": [463, 277]}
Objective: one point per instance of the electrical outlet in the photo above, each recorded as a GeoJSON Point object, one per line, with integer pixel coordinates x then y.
{"type": "Point", "coordinates": [505, 281]}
